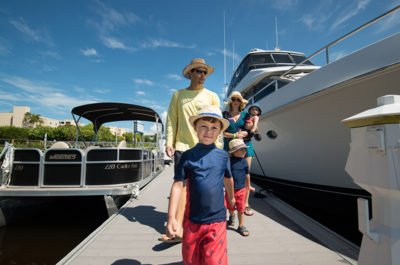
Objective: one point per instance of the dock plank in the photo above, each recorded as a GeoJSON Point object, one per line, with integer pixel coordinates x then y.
{"type": "Point", "coordinates": [130, 238]}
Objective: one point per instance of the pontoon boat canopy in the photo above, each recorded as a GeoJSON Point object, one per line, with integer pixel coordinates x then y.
{"type": "Point", "coordinates": [100, 113]}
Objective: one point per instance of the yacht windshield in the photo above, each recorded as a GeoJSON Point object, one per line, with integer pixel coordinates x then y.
{"type": "Point", "coordinates": [282, 58]}
{"type": "Point", "coordinates": [298, 59]}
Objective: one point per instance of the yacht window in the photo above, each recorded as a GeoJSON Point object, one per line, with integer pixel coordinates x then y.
{"type": "Point", "coordinates": [282, 83]}
{"type": "Point", "coordinates": [265, 92]}
{"type": "Point", "coordinates": [261, 58]}
{"type": "Point", "coordinates": [282, 58]}
{"type": "Point", "coordinates": [298, 59]}
{"type": "Point", "coordinates": [240, 72]}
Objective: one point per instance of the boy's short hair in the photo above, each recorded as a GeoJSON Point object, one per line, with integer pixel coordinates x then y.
{"type": "Point", "coordinates": [210, 111]}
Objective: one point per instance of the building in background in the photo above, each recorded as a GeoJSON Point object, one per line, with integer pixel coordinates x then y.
{"type": "Point", "coordinates": [14, 118]}
{"type": "Point", "coordinates": [119, 131]}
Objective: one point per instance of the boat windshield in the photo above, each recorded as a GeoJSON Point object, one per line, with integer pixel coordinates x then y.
{"type": "Point", "coordinates": [265, 60]}
{"type": "Point", "coordinates": [298, 59]}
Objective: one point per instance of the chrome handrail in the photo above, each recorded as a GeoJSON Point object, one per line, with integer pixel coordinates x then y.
{"type": "Point", "coordinates": [326, 47]}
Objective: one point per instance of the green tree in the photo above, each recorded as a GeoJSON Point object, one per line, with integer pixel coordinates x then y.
{"type": "Point", "coordinates": [11, 132]}
{"type": "Point", "coordinates": [31, 120]}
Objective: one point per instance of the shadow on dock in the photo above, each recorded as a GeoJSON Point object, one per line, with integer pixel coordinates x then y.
{"type": "Point", "coordinates": [135, 262]}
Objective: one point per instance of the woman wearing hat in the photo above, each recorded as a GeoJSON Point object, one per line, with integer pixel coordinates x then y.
{"type": "Point", "coordinates": [237, 119]}
{"type": "Point", "coordinates": [180, 135]}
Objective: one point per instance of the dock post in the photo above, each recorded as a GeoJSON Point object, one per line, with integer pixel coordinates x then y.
{"type": "Point", "coordinates": [110, 204]}
{"type": "Point", "coordinates": [374, 164]}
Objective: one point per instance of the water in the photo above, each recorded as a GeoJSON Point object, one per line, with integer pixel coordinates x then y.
{"type": "Point", "coordinates": [337, 212]}
{"type": "Point", "coordinates": [55, 228]}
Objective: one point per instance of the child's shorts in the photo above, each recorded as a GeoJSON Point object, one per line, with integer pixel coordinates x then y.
{"type": "Point", "coordinates": [204, 243]}
{"type": "Point", "coordinates": [240, 197]}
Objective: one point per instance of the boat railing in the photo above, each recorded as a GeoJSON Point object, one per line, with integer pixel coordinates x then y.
{"type": "Point", "coordinates": [340, 39]}
{"type": "Point", "coordinates": [41, 144]}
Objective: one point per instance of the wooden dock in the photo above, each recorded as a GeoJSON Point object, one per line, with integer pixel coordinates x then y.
{"type": "Point", "coordinates": [130, 236]}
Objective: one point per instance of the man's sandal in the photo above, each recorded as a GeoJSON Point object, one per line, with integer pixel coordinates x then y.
{"type": "Point", "coordinates": [243, 231]}
{"type": "Point", "coordinates": [248, 211]}
{"type": "Point", "coordinates": [164, 238]}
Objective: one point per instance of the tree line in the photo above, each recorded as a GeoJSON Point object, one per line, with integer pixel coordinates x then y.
{"type": "Point", "coordinates": [61, 133]}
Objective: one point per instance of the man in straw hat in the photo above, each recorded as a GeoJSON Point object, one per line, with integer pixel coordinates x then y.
{"type": "Point", "coordinates": [180, 136]}
{"type": "Point", "coordinates": [207, 171]}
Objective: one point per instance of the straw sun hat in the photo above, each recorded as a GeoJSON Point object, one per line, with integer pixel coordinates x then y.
{"type": "Point", "coordinates": [197, 63]}
{"type": "Point", "coordinates": [236, 94]}
{"type": "Point", "coordinates": [210, 111]}
{"type": "Point", "coordinates": [236, 144]}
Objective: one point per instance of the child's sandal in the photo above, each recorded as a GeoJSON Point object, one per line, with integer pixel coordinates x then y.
{"type": "Point", "coordinates": [243, 231]}
{"type": "Point", "coordinates": [248, 211]}
{"type": "Point", "coordinates": [231, 220]}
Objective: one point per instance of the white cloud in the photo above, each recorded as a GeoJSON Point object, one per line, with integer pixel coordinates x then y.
{"type": "Point", "coordinates": [165, 44]}
{"type": "Point", "coordinates": [350, 12]}
{"type": "Point", "coordinates": [172, 90]}
{"type": "Point", "coordinates": [113, 43]}
{"type": "Point", "coordinates": [31, 34]}
{"type": "Point", "coordinates": [174, 77]}
{"type": "Point", "coordinates": [111, 19]}
{"type": "Point", "coordinates": [283, 5]}
{"type": "Point", "coordinates": [44, 95]}
{"type": "Point", "coordinates": [389, 22]}
{"type": "Point", "coordinates": [143, 82]}
{"type": "Point", "coordinates": [28, 85]}
{"type": "Point", "coordinates": [308, 20]}
{"type": "Point", "coordinates": [5, 96]}
{"type": "Point", "coordinates": [140, 93]}
{"type": "Point", "coordinates": [51, 54]}
{"type": "Point", "coordinates": [89, 52]}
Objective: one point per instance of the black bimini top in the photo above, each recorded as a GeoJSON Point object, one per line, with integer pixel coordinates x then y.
{"type": "Point", "coordinates": [100, 113]}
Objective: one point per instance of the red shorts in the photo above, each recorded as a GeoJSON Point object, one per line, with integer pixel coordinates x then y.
{"type": "Point", "coordinates": [240, 197]}
{"type": "Point", "coordinates": [204, 244]}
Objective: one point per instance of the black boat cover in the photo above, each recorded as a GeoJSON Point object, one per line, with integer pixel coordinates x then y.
{"type": "Point", "coordinates": [100, 113]}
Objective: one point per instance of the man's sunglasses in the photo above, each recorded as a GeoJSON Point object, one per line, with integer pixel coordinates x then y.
{"type": "Point", "coordinates": [200, 71]}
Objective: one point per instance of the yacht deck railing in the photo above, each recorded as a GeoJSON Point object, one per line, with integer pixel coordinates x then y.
{"type": "Point", "coordinates": [333, 43]}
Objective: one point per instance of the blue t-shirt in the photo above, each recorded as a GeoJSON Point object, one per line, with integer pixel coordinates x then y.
{"type": "Point", "coordinates": [239, 169]}
{"type": "Point", "coordinates": [205, 167]}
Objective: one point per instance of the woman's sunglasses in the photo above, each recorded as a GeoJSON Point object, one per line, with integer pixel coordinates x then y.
{"type": "Point", "coordinates": [236, 99]}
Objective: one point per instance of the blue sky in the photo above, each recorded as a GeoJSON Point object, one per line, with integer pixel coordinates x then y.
{"type": "Point", "coordinates": [55, 55]}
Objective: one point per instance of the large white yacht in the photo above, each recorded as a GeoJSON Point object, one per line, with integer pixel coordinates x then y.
{"type": "Point", "coordinates": [304, 144]}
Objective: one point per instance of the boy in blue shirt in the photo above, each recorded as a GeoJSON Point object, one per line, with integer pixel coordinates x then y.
{"type": "Point", "coordinates": [241, 176]}
{"type": "Point", "coordinates": [206, 170]}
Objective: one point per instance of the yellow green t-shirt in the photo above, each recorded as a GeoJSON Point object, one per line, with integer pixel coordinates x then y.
{"type": "Point", "coordinates": [185, 103]}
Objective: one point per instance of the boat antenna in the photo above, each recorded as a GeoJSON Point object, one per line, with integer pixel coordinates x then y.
{"type": "Point", "coordinates": [233, 55]}
{"type": "Point", "coordinates": [225, 84]}
{"type": "Point", "coordinates": [276, 35]}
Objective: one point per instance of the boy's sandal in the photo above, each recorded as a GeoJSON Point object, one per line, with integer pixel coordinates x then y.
{"type": "Point", "coordinates": [248, 211]}
{"type": "Point", "coordinates": [231, 220]}
{"type": "Point", "coordinates": [243, 231]}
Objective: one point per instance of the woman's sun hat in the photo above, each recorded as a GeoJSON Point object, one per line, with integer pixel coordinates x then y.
{"type": "Point", "coordinates": [210, 111]}
{"type": "Point", "coordinates": [197, 63]}
{"type": "Point", "coordinates": [236, 144]}
{"type": "Point", "coordinates": [236, 94]}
